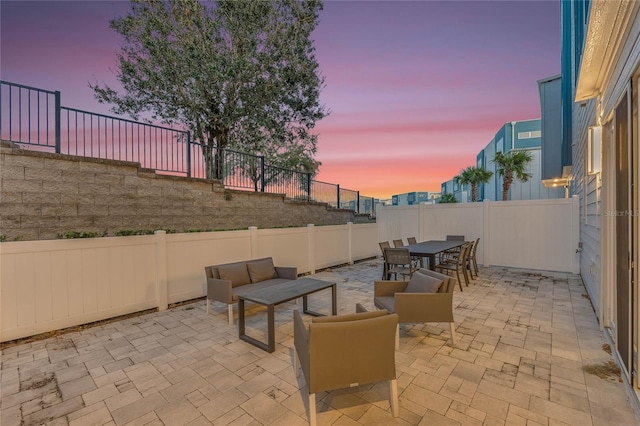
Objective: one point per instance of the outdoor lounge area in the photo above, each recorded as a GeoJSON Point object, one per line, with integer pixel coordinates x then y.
{"type": "Point", "coordinates": [529, 351]}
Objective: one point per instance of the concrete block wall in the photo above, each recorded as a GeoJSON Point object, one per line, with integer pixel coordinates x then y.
{"type": "Point", "coordinates": [44, 194]}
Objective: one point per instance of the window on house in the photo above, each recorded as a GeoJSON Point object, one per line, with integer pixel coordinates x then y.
{"type": "Point", "coordinates": [530, 135]}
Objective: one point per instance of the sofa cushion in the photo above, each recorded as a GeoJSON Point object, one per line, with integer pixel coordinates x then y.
{"type": "Point", "coordinates": [385, 302]}
{"type": "Point", "coordinates": [421, 283]}
{"type": "Point", "coordinates": [235, 272]}
{"type": "Point", "coordinates": [261, 270]}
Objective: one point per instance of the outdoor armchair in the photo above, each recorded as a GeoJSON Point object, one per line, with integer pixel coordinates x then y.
{"type": "Point", "coordinates": [347, 350]}
{"type": "Point", "coordinates": [427, 297]}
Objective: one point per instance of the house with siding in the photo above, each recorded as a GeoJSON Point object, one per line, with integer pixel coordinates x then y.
{"type": "Point", "coordinates": [512, 136]}
{"type": "Point", "coordinates": [600, 67]}
{"type": "Point", "coordinates": [415, 197]}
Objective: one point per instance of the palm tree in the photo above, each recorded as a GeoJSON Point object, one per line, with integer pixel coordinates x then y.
{"type": "Point", "coordinates": [447, 198]}
{"type": "Point", "coordinates": [473, 176]}
{"type": "Point", "coordinates": [512, 166]}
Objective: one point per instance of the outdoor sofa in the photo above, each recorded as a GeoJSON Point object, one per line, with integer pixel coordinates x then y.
{"type": "Point", "coordinates": [227, 281]}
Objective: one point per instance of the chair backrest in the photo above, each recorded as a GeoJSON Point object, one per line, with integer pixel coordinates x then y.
{"type": "Point", "coordinates": [455, 237]}
{"type": "Point", "coordinates": [353, 350]}
{"type": "Point", "coordinates": [448, 283]}
{"type": "Point", "coordinates": [397, 256]}
{"type": "Point", "coordinates": [384, 245]}
{"type": "Point", "coordinates": [398, 243]}
{"type": "Point", "coordinates": [463, 256]}
{"type": "Point", "coordinates": [475, 247]}
{"type": "Point", "coordinates": [412, 240]}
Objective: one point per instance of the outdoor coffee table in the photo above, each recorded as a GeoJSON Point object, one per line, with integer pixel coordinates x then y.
{"type": "Point", "coordinates": [277, 294]}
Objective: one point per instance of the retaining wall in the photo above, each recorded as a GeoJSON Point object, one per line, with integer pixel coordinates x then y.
{"type": "Point", "coordinates": [45, 194]}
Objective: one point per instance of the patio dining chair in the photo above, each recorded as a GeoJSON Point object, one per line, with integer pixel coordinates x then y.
{"type": "Point", "coordinates": [383, 246]}
{"type": "Point", "coordinates": [456, 263]}
{"type": "Point", "coordinates": [398, 261]}
{"type": "Point", "coordinates": [417, 260]}
{"type": "Point", "coordinates": [474, 261]}
{"type": "Point", "coordinates": [398, 243]}
{"type": "Point", "coordinates": [454, 251]}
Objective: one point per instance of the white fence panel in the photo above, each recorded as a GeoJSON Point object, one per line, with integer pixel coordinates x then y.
{"type": "Point", "coordinates": [396, 222]}
{"type": "Point", "coordinates": [533, 234]}
{"type": "Point", "coordinates": [364, 241]}
{"type": "Point", "coordinates": [331, 246]}
{"type": "Point", "coordinates": [288, 247]}
{"type": "Point", "coordinates": [48, 285]}
{"type": "Point", "coordinates": [188, 254]}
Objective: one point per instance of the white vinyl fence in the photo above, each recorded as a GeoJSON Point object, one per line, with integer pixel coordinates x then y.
{"type": "Point", "coordinates": [49, 285]}
{"type": "Point", "coordinates": [531, 234]}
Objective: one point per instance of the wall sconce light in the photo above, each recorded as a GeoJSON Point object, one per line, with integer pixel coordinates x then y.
{"type": "Point", "coordinates": [594, 150]}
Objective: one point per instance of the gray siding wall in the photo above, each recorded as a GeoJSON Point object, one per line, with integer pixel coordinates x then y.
{"type": "Point", "coordinates": [584, 186]}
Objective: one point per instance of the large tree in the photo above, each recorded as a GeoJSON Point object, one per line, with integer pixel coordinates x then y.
{"type": "Point", "coordinates": [239, 74]}
{"type": "Point", "coordinates": [473, 176]}
{"type": "Point", "coordinates": [510, 166]}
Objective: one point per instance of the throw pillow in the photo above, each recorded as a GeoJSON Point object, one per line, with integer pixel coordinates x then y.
{"type": "Point", "coordinates": [421, 283]}
{"type": "Point", "coordinates": [261, 270]}
{"type": "Point", "coordinates": [235, 272]}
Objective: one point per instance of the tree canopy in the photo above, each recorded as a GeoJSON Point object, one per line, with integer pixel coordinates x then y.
{"type": "Point", "coordinates": [239, 74]}
{"type": "Point", "coordinates": [512, 165]}
{"type": "Point", "coordinates": [473, 176]}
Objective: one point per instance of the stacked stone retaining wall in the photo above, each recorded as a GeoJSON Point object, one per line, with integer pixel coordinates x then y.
{"type": "Point", "coordinates": [44, 195]}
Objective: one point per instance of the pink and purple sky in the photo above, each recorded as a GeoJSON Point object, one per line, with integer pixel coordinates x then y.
{"type": "Point", "coordinates": [416, 88]}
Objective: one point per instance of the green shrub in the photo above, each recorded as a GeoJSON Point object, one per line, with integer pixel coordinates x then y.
{"type": "Point", "coordinates": [127, 232]}
{"type": "Point", "coordinates": [82, 234]}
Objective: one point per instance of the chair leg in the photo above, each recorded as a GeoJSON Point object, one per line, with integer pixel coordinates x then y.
{"type": "Point", "coordinates": [452, 327]}
{"type": "Point", "coordinates": [459, 281]}
{"type": "Point", "coordinates": [312, 409]}
{"type": "Point", "coordinates": [208, 306]}
{"type": "Point", "coordinates": [393, 390]}
{"type": "Point", "coordinates": [230, 314]}
{"type": "Point", "coordinates": [296, 363]}
{"type": "Point", "coordinates": [398, 337]}
{"type": "Point", "coordinates": [466, 277]}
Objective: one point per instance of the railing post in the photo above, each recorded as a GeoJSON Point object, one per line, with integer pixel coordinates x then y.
{"type": "Point", "coordinates": [262, 173]}
{"type": "Point", "coordinates": [358, 202]}
{"type": "Point", "coordinates": [189, 154]}
{"type": "Point", "coordinates": [308, 186]}
{"type": "Point", "coordinates": [338, 196]}
{"type": "Point", "coordinates": [57, 129]}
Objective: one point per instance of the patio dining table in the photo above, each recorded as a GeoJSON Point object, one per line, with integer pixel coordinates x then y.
{"type": "Point", "coordinates": [431, 248]}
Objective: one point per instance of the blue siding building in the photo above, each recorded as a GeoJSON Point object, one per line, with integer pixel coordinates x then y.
{"type": "Point", "coordinates": [516, 135]}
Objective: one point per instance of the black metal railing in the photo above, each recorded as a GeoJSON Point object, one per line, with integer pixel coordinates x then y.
{"type": "Point", "coordinates": [35, 117]}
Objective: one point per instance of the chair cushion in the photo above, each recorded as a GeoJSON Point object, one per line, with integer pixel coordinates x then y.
{"type": "Point", "coordinates": [261, 270]}
{"type": "Point", "coordinates": [235, 272]}
{"type": "Point", "coordinates": [421, 283]}
{"type": "Point", "coordinates": [385, 302]}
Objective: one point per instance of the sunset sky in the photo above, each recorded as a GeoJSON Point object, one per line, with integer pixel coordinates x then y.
{"type": "Point", "coordinates": [415, 89]}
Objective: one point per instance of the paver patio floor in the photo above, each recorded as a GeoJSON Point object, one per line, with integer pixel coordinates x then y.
{"type": "Point", "coordinates": [523, 340]}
